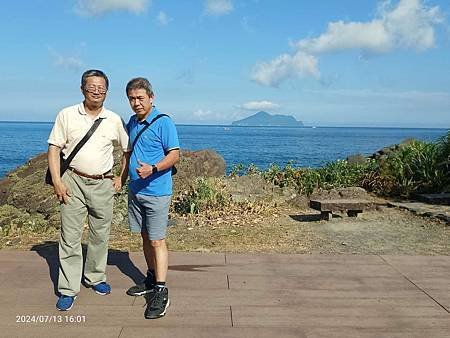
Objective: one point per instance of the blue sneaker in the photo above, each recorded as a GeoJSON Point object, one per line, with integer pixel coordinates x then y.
{"type": "Point", "coordinates": [102, 288]}
{"type": "Point", "coordinates": [65, 303]}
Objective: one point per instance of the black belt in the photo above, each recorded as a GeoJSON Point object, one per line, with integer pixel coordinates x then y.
{"type": "Point", "coordinates": [95, 177]}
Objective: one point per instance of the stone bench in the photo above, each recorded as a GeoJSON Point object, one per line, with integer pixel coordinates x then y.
{"type": "Point", "coordinates": [351, 206]}
{"type": "Point", "coordinates": [442, 198]}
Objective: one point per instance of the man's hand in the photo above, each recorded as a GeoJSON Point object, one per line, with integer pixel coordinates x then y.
{"type": "Point", "coordinates": [144, 170]}
{"type": "Point", "coordinates": [117, 183]}
{"type": "Point", "coordinates": [61, 192]}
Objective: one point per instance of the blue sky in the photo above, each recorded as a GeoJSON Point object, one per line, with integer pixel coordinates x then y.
{"type": "Point", "coordinates": [328, 62]}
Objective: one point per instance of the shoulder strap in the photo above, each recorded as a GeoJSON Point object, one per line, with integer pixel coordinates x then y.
{"type": "Point", "coordinates": [146, 126]}
{"type": "Point", "coordinates": [80, 144]}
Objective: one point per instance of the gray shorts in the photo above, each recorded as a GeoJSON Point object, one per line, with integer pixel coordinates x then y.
{"type": "Point", "coordinates": [148, 214]}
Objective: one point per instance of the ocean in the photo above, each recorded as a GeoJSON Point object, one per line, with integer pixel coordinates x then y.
{"type": "Point", "coordinates": [262, 146]}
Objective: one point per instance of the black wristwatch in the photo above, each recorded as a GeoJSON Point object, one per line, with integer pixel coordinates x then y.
{"type": "Point", "coordinates": [154, 169]}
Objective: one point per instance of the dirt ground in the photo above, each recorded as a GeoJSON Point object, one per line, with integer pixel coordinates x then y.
{"type": "Point", "coordinates": [284, 230]}
{"type": "Point", "coordinates": [386, 231]}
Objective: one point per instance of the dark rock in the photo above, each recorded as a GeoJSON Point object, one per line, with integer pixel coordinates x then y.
{"type": "Point", "coordinates": [356, 159]}
{"type": "Point", "coordinates": [201, 163]}
{"type": "Point", "coordinates": [24, 189]}
{"type": "Point", "coordinates": [386, 151]}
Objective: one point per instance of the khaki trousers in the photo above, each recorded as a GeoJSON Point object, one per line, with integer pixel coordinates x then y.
{"type": "Point", "coordinates": [94, 199]}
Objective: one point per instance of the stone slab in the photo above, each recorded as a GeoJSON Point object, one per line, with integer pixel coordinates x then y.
{"type": "Point", "coordinates": [341, 205]}
{"type": "Point", "coordinates": [442, 198]}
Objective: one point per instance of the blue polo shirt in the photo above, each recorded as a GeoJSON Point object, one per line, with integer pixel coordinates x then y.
{"type": "Point", "coordinates": [151, 148]}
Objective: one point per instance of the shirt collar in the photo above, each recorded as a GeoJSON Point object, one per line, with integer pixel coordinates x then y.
{"type": "Point", "coordinates": [150, 116]}
{"type": "Point", "coordinates": [82, 111]}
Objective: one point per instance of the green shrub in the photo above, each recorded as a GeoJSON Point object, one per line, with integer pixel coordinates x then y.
{"type": "Point", "coordinates": [336, 174]}
{"type": "Point", "coordinates": [341, 174]}
{"type": "Point", "coordinates": [443, 150]}
{"type": "Point", "coordinates": [417, 167]}
{"type": "Point", "coordinates": [237, 170]}
{"type": "Point", "coordinates": [204, 194]}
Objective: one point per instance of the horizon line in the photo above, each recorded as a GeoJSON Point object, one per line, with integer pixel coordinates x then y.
{"type": "Point", "coordinates": [307, 126]}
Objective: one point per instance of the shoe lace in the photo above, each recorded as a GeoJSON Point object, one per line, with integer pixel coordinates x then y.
{"type": "Point", "coordinates": [158, 300]}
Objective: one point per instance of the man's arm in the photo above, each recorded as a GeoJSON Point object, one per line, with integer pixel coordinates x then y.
{"type": "Point", "coordinates": [123, 140]}
{"type": "Point", "coordinates": [61, 191]}
{"type": "Point", "coordinates": [120, 180]}
{"type": "Point", "coordinates": [145, 169]}
{"type": "Point", "coordinates": [172, 157]}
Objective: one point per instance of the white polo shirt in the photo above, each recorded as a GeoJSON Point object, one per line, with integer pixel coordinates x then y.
{"type": "Point", "coordinates": [96, 156]}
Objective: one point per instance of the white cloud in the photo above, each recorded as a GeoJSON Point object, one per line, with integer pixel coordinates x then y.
{"type": "Point", "coordinates": [341, 36]}
{"type": "Point", "coordinates": [218, 7]}
{"type": "Point", "coordinates": [68, 62]}
{"type": "Point", "coordinates": [285, 66]}
{"type": "Point", "coordinates": [204, 115]}
{"type": "Point", "coordinates": [97, 7]}
{"type": "Point", "coordinates": [163, 19]}
{"type": "Point", "coordinates": [408, 25]}
{"type": "Point", "coordinates": [259, 105]}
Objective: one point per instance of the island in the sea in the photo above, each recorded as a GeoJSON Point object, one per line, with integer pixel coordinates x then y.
{"type": "Point", "coordinates": [264, 119]}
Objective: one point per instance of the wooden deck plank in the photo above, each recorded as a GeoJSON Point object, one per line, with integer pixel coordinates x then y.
{"type": "Point", "coordinates": [240, 295]}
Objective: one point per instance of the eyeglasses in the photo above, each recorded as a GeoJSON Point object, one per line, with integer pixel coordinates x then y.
{"type": "Point", "coordinates": [93, 89]}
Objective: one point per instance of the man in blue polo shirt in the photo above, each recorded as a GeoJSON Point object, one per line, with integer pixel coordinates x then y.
{"type": "Point", "coordinates": [154, 151]}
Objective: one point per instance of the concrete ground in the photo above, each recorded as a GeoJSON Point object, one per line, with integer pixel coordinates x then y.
{"type": "Point", "coordinates": [236, 295]}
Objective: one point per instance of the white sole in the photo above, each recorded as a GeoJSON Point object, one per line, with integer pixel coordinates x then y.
{"type": "Point", "coordinates": [167, 306]}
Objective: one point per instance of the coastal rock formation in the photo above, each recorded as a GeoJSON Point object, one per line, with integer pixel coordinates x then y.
{"type": "Point", "coordinates": [202, 163]}
{"type": "Point", "coordinates": [380, 154]}
{"type": "Point", "coordinates": [26, 199]}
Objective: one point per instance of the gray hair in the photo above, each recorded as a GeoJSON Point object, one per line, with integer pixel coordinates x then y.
{"type": "Point", "coordinates": [140, 83]}
{"type": "Point", "coordinates": [93, 72]}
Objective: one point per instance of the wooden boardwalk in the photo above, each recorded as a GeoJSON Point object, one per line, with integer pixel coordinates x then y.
{"type": "Point", "coordinates": [237, 295]}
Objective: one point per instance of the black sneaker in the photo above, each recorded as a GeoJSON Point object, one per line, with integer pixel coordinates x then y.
{"type": "Point", "coordinates": [158, 305]}
{"type": "Point", "coordinates": [147, 286]}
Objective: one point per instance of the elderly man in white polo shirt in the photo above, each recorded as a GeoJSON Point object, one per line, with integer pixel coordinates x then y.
{"type": "Point", "coordinates": [87, 188]}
